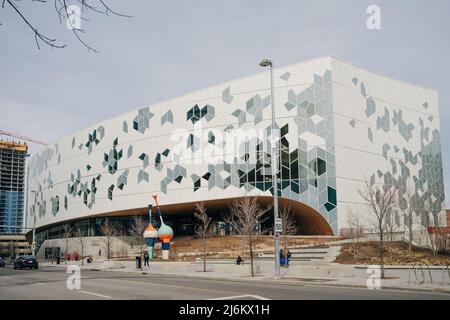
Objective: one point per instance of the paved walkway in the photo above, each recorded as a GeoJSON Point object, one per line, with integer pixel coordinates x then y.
{"type": "Point", "coordinates": [397, 277]}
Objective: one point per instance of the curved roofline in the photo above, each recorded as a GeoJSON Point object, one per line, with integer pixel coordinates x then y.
{"type": "Point", "coordinates": [328, 56]}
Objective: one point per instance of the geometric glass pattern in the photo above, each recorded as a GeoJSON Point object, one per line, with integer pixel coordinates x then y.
{"type": "Point", "coordinates": [195, 113]}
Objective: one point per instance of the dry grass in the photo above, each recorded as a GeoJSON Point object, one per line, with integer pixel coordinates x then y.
{"type": "Point", "coordinates": [188, 249]}
{"type": "Point", "coordinates": [396, 253]}
{"type": "Point", "coordinates": [231, 246]}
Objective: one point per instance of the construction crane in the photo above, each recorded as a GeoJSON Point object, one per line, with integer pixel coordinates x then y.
{"type": "Point", "coordinates": [20, 137]}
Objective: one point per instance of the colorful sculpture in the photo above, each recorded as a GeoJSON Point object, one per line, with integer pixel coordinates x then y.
{"type": "Point", "coordinates": [165, 233]}
{"type": "Point", "coordinates": [150, 234]}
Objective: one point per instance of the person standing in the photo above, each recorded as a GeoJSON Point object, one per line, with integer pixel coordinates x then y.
{"type": "Point", "coordinates": [99, 252]}
{"type": "Point", "coordinates": [146, 259]}
{"type": "Point", "coordinates": [282, 257]}
{"type": "Point", "coordinates": [288, 257]}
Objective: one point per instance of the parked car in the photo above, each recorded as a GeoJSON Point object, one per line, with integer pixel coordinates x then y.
{"type": "Point", "coordinates": [25, 262]}
{"type": "Point", "coordinates": [2, 262]}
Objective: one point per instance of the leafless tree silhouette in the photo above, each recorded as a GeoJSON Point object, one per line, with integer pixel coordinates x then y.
{"type": "Point", "coordinates": [64, 14]}
{"type": "Point", "coordinates": [203, 227]}
{"type": "Point", "coordinates": [67, 232]}
{"type": "Point", "coordinates": [109, 230]}
{"type": "Point", "coordinates": [381, 201]}
{"type": "Point", "coordinates": [246, 214]}
{"type": "Point", "coordinates": [289, 223]}
{"type": "Point", "coordinates": [355, 231]}
{"type": "Point", "coordinates": [80, 233]}
{"type": "Point", "coordinates": [137, 228]}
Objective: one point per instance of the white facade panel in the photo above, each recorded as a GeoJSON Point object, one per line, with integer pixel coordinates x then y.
{"type": "Point", "coordinates": [119, 163]}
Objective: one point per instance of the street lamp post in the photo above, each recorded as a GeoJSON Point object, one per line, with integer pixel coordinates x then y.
{"type": "Point", "coordinates": [268, 63]}
{"type": "Point", "coordinates": [33, 243]}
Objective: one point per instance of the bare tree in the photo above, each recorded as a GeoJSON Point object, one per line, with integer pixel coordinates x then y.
{"type": "Point", "coordinates": [237, 229]}
{"type": "Point", "coordinates": [433, 222]}
{"type": "Point", "coordinates": [64, 13]}
{"type": "Point", "coordinates": [109, 230]}
{"type": "Point", "coordinates": [440, 237]}
{"type": "Point", "coordinates": [391, 225]}
{"type": "Point", "coordinates": [203, 227]}
{"type": "Point", "coordinates": [122, 235]}
{"type": "Point", "coordinates": [289, 223]}
{"type": "Point", "coordinates": [409, 219]}
{"type": "Point", "coordinates": [380, 201]}
{"type": "Point", "coordinates": [67, 232]}
{"type": "Point", "coordinates": [138, 226]}
{"type": "Point", "coordinates": [80, 234]}
{"type": "Point", "coordinates": [247, 212]}
{"type": "Point", "coordinates": [355, 231]}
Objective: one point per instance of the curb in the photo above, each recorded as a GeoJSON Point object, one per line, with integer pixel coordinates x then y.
{"type": "Point", "coordinates": [400, 267]}
{"type": "Point", "coordinates": [308, 283]}
{"type": "Point", "coordinates": [283, 281]}
{"type": "Point", "coordinates": [293, 282]}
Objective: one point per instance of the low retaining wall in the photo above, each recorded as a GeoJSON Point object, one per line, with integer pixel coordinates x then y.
{"type": "Point", "coordinates": [326, 271]}
{"type": "Point", "coordinates": [91, 246]}
{"type": "Point", "coordinates": [230, 268]}
{"type": "Point", "coordinates": [170, 267]}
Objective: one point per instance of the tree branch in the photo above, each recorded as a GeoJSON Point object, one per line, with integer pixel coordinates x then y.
{"type": "Point", "coordinates": [37, 34]}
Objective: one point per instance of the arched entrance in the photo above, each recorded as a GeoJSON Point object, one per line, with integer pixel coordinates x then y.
{"type": "Point", "coordinates": [309, 221]}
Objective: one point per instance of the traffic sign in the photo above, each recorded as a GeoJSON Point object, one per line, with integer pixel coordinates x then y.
{"type": "Point", "coordinates": [278, 225]}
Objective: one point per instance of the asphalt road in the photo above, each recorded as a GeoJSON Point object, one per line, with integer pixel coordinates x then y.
{"type": "Point", "coordinates": [50, 283]}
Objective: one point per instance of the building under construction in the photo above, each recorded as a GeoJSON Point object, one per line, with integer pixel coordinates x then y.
{"type": "Point", "coordinates": [12, 186]}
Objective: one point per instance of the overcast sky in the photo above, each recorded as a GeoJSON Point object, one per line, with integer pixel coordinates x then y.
{"type": "Point", "coordinates": [172, 47]}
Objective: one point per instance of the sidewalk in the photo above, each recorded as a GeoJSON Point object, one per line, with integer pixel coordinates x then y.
{"type": "Point", "coordinates": [397, 277]}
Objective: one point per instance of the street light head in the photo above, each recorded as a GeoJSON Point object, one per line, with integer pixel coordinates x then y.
{"type": "Point", "coordinates": [265, 63]}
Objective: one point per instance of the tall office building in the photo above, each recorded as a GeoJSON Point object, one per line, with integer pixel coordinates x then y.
{"type": "Point", "coordinates": [12, 186]}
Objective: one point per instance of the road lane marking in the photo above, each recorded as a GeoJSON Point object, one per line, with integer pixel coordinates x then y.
{"type": "Point", "coordinates": [95, 294]}
{"type": "Point", "coordinates": [178, 287]}
{"type": "Point", "coordinates": [87, 276]}
{"type": "Point", "coordinates": [240, 297]}
{"type": "Point", "coordinates": [5, 277]}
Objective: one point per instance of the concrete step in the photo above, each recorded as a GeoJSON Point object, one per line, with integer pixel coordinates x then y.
{"type": "Point", "coordinates": [264, 259]}
{"type": "Point", "coordinates": [326, 254]}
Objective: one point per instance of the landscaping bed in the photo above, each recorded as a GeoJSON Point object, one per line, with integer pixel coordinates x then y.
{"type": "Point", "coordinates": [395, 253]}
